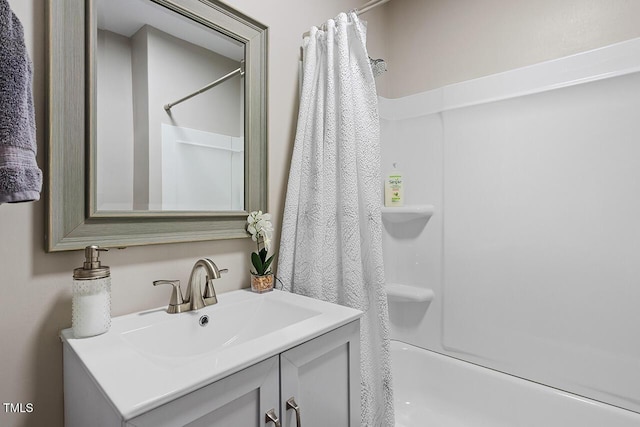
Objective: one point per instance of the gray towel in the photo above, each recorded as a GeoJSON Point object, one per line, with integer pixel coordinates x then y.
{"type": "Point", "coordinates": [20, 177]}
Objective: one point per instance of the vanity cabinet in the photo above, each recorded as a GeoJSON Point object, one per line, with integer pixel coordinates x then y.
{"type": "Point", "coordinates": [322, 376]}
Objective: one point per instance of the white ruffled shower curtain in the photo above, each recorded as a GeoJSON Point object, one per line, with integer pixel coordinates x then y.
{"type": "Point", "coordinates": [331, 245]}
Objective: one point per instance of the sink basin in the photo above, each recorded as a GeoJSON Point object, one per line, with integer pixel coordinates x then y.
{"type": "Point", "coordinates": [225, 325]}
{"type": "Point", "coordinates": [151, 357]}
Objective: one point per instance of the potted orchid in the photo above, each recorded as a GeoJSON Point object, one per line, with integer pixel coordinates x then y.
{"type": "Point", "coordinates": [261, 230]}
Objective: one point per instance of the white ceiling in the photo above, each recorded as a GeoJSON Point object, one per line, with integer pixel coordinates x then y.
{"type": "Point", "coordinates": [125, 17]}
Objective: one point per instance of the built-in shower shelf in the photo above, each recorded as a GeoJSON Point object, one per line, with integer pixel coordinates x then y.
{"type": "Point", "coordinates": [406, 293]}
{"type": "Point", "coordinates": [407, 213]}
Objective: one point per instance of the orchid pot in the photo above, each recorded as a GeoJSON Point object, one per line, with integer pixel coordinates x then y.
{"type": "Point", "coordinates": [262, 283]}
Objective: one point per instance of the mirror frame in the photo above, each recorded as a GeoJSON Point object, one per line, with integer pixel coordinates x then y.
{"type": "Point", "coordinates": [71, 224]}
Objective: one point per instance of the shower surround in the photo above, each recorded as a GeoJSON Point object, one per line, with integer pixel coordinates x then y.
{"type": "Point", "coordinates": [531, 252]}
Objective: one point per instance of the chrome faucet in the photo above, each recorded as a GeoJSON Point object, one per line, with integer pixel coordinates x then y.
{"type": "Point", "coordinates": [195, 297]}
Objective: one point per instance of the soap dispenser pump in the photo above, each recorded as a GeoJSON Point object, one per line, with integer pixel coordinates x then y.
{"type": "Point", "coordinates": [91, 296]}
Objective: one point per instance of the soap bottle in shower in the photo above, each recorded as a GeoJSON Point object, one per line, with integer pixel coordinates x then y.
{"type": "Point", "coordinates": [91, 296]}
{"type": "Point", "coordinates": [394, 188]}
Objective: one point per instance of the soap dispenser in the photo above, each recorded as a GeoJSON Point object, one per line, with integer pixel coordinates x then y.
{"type": "Point", "coordinates": [91, 296]}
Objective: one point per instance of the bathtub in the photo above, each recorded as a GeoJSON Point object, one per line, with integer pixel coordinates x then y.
{"type": "Point", "coordinates": [440, 391]}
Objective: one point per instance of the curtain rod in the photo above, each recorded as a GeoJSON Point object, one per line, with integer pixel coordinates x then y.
{"type": "Point", "coordinates": [211, 85]}
{"type": "Point", "coordinates": [359, 11]}
{"type": "Point", "coordinates": [370, 5]}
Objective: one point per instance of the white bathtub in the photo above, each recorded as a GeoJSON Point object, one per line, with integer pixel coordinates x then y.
{"type": "Point", "coordinates": [440, 391]}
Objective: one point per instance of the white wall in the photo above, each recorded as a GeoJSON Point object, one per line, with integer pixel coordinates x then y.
{"type": "Point", "coordinates": [540, 237]}
{"type": "Point", "coordinates": [531, 273]}
{"type": "Point", "coordinates": [201, 171]}
{"type": "Point", "coordinates": [114, 100]}
{"type": "Point", "coordinates": [35, 287]}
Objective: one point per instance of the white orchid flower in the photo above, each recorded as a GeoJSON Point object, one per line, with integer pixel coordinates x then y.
{"type": "Point", "coordinates": [261, 229]}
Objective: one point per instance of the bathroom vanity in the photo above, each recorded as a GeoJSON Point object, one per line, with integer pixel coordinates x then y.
{"type": "Point", "coordinates": [250, 360]}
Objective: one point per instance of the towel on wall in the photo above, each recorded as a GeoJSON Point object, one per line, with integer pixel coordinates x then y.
{"type": "Point", "coordinates": [20, 177]}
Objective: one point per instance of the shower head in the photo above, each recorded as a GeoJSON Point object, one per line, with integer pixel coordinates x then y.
{"type": "Point", "coordinates": [378, 66]}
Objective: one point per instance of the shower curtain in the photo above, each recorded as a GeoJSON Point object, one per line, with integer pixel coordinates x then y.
{"type": "Point", "coordinates": [331, 245]}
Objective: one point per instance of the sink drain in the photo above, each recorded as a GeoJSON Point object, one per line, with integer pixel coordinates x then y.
{"type": "Point", "coordinates": [204, 320]}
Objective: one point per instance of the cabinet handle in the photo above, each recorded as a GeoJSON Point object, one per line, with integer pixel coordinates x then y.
{"type": "Point", "coordinates": [291, 404]}
{"type": "Point", "coordinates": [271, 416]}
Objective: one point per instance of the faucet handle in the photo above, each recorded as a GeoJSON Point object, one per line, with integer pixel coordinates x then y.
{"type": "Point", "coordinates": [176, 300]}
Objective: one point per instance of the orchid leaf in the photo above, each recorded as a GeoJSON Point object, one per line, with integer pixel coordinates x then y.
{"type": "Point", "coordinates": [257, 263]}
{"type": "Point", "coordinates": [267, 263]}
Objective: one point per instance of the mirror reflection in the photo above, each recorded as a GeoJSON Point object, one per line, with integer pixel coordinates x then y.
{"type": "Point", "coordinates": [189, 156]}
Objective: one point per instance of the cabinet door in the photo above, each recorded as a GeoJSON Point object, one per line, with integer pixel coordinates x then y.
{"type": "Point", "coordinates": [241, 399]}
{"type": "Point", "coordinates": [323, 377]}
